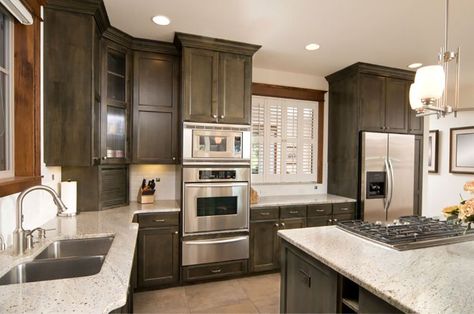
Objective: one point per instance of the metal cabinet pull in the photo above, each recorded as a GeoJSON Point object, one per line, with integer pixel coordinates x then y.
{"type": "Point", "coordinates": [214, 116]}
{"type": "Point", "coordinates": [176, 232]}
{"type": "Point", "coordinates": [320, 210]}
{"type": "Point", "coordinates": [330, 221]}
{"type": "Point", "coordinates": [335, 220]}
{"type": "Point", "coordinates": [283, 224]}
{"type": "Point", "coordinates": [159, 220]}
{"type": "Point", "coordinates": [277, 225]}
{"type": "Point", "coordinates": [344, 209]}
{"type": "Point", "coordinates": [306, 276]}
{"type": "Point", "coordinates": [216, 271]}
{"type": "Point", "coordinates": [294, 212]}
{"type": "Point", "coordinates": [222, 116]}
{"type": "Point", "coordinates": [265, 214]}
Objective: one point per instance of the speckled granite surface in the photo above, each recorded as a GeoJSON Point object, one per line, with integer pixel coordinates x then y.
{"type": "Point", "coordinates": [269, 201]}
{"type": "Point", "coordinates": [430, 280]}
{"type": "Point", "coordinates": [100, 293]}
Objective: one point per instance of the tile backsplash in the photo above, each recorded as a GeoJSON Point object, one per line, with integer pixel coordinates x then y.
{"type": "Point", "coordinates": [169, 186]}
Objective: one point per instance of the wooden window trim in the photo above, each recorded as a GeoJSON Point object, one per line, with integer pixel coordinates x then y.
{"type": "Point", "coordinates": [27, 104]}
{"type": "Point", "coordinates": [279, 91]}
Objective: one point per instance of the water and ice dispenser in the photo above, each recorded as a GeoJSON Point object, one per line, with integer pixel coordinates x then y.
{"type": "Point", "coordinates": [376, 183]}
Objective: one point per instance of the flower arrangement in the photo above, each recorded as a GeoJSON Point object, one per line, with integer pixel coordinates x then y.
{"type": "Point", "coordinates": [464, 212]}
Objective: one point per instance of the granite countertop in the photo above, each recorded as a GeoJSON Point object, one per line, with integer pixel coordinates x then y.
{"type": "Point", "coordinates": [430, 280]}
{"type": "Point", "coordinates": [281, 200]}
{"type": "Point", "coordinates": [157, 207]}
{"type": "Point", "coordinates": [100, 293]}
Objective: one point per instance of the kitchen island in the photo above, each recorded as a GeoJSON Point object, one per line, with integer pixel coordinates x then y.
{"type": "Point", "coordinates": [100, 293]}
{"type": "Point", "coordinates": [429, 280]}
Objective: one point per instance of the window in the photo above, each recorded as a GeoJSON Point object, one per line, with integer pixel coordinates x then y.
{"type": "Point", "coordinates": [284, 140]}
{"type": "Point", "coordinates": [6, 98]}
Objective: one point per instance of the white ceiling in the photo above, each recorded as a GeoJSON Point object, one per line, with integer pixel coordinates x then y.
{"type": "Point", "coordinates": [387, 32]}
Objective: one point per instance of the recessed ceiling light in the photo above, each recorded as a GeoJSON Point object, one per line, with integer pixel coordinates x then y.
{"type": "Point", "coordinates": [312, 46]}
{"type": "Point", "coordinates": [161, 20]}
{"type": "Point", "coordinates": [415, 65]}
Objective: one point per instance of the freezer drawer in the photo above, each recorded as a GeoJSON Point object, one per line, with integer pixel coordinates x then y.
{"type": "Point", "coordinates": [215, 250]}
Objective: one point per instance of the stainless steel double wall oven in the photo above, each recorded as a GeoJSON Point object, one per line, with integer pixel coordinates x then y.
{"type": "Point", "coordinates": [216, 185]}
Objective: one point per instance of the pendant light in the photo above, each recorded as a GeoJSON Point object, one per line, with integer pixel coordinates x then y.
{"type": "Point", "coordinates": [429, 93]}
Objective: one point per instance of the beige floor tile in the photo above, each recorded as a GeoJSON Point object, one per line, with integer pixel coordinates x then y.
{"type": "Point", "coordinates": [261, 287]}
{"type": "Point", "coordinates": [269, 304]}
{"type": "Point", "coordinates": [214, 294]}
{"type": "Point", "coordinates": [245, 306]}
{"type": "Point", "coordinates": [172, 300]}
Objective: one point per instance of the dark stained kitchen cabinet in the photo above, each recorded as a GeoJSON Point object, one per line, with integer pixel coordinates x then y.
{"type": "Point", "coordinates": [235, 84]}
{"type": "Point", "coordinates": [155, 108]}
{"type": "Point", "coordinates": [307, 286]}
{"type": "Point", "coordinates": [158, 250]}
{"type": "Point", "coordinates": [264, 245]}
{"type": "Point", "coordinates": [364, 97]}
{"type": "Point", "coordinates": [71, 85]}
{"type": "Point", "coordinates": [115, 113]}
{"type": "Point", "coordinates": [216, 79]}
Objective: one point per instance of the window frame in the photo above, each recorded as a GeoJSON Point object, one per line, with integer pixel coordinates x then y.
{"type": "Point", "coordinates": [299, 94]}
{"type": "Point", "coordinates": [9, 97]}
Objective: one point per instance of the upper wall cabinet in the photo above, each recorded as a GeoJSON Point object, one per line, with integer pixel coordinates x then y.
{"type": "Point", "coordinates": [71, 86]}
{"type": "Point", "coordinates": [155, 108]}
{"type": "Point", "coordinates": [216, 79]}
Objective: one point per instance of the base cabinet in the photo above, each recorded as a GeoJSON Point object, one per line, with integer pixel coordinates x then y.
{"type": "Point", "coordinates": [307, 286]}
{"type": "Point", "coordinates": [264, 245]}
{"type": "Point", "coordinates": [158, 252]}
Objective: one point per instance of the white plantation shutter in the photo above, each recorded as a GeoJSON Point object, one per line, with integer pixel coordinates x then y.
{"type": "Point", "coordinates": [284, 140]}
{"type": "Point", "coordinates": [258, 136]}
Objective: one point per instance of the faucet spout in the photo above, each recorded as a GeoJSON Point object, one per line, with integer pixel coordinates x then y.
{"type": "Point", "coordinates": [19, 235]}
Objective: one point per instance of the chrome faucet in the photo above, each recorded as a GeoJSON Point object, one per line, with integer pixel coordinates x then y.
{"type": "Point", "coordinates": [19, 235]}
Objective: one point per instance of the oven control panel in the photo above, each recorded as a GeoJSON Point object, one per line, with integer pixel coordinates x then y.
{"type": "Point", "coordinates": [217, 174]}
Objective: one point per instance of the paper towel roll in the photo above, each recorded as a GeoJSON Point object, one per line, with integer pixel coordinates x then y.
{"type": "Point", "coordinates": [69, 195]}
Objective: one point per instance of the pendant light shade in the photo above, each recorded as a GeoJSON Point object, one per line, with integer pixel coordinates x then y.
{"type": "Point", "coordinates": [430, 82]}
{"type": "Point", "coordinates": [415, 100]}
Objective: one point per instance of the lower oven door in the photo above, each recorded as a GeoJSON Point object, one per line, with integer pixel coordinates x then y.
{"type": "Point", "coordinates": [215, 250]}
{"type": "Point", "coordinates": [212, 207]}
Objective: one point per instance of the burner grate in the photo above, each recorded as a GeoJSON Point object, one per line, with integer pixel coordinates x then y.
{"type": "Point", "coordinates": [409, 232]}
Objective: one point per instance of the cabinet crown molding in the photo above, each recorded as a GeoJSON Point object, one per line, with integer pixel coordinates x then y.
{"type": "Point", "coordinates": [367, 68]}
{"type": "Point", "coordinates": [223, 45]}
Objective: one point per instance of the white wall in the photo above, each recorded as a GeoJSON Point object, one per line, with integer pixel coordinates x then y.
{"type": "Point", "coordinates": [170, 180]}
{"type": "Point", "coordinates": [304, 81]}
{"type": "Point", "coordinates": [443, 189]}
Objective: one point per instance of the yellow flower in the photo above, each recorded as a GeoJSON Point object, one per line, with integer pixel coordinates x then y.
{"type": "Point", "coordinates": [451, 210]}
{"type": "Point", "coordinates": [469, 186]}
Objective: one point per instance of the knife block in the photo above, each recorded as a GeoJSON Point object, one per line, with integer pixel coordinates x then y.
{"type": "Point", "coordinates": [145, 198]}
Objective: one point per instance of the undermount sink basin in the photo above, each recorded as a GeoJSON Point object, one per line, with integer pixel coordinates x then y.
{"type": "Point", "coordinates": [62, 259]}
{"type": "Point", "coordinates": [77, 247]}
{"type": "Point", "coordinates": [51, 269]}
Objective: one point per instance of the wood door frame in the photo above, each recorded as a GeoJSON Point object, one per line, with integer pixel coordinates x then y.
{"type": "Point", "coordinates": [279, 91]}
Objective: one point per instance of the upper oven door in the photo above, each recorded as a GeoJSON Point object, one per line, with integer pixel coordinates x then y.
{"type": "Point", "coordinates": [217, 144]}
{"type": "Point", "coordinates": [212, 207]}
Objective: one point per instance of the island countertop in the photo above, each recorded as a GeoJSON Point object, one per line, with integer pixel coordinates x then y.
{"type": "Point", "coordinates": [429, 280]}
{"type": "Point", "coordinates": [100, 293]}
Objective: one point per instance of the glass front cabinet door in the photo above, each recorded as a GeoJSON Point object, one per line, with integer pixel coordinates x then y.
{"type": "Point", "coordinates": [115, 104]}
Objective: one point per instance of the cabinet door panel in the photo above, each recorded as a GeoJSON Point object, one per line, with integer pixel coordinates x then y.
{"type": "Point", "coordinates": [293, 223]}
{"type": "Point", "coordinates": [310, 287]}
{"type": "Point", "coordinates": [264, 248]}
{"type": "Point", "coordinates": [154, 139]}
{"type": "Point", "coordinates": [318, 221]}
{"type": "Point", "coordinates": [371, 102]}
{"type": "Point", "coordinates": [235, 79]}
{"type": "Point", "coordinates": [158, 256]}
{"type": "Point", "coordinates": [396, 94]}
{"type": "Point", "coordinates": [200, 71]}
{"type": "Point", "coordinates": [155, 108]}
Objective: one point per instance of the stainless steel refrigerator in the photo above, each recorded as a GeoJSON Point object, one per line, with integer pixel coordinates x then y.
{"type": "Point", "coordinates": [387, 178]}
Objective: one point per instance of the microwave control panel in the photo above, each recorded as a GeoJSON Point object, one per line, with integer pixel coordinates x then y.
{"type": "Point", "coordinates": [217, 174]}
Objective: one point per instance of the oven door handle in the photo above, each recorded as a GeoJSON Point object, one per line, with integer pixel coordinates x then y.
{"type": "Point", "coordinates": [217, 241]}
{"type": "Point", "coordinates": [214, 185]}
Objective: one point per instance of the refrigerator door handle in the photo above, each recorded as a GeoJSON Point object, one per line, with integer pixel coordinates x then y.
{"type": "Point", "coordinates": [388, 195]}
{"type": "Point", "coordinates": [392, 182]}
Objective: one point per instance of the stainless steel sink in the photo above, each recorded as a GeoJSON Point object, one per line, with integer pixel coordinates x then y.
{"type": "Point", "coordinates": [62, 259]}
{"type": "Point", "coordinates": [51, 269]}
{"type": "Point", "coordinates": [77, 247]}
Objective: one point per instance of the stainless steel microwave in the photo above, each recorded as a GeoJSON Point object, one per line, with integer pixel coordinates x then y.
{"type": "Point", "coordinates": [204, 142]}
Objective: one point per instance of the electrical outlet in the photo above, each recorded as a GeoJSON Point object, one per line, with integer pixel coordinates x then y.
{"type": "Point", "coordinates": [315, 187]}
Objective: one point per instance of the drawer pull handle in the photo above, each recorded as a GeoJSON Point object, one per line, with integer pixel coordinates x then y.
{"type": "Point", "coordinates": [159, 220]}
{"type": "Point", "coordinates": [294, 212]}
{"type": "Point", "coordinates": [265, 214]}
{"type": "Point", "coordinates": [307, 277]}
{"type": "Point", "coordinates": [344, 209]}
{"type": "Point", "coordinates": [320, 210]}
{"type": "Point", "coordinates": [216, 271]}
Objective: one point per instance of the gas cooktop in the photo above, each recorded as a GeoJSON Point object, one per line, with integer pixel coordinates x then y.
{"type": "Point", "coordinates": [409, 232]}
